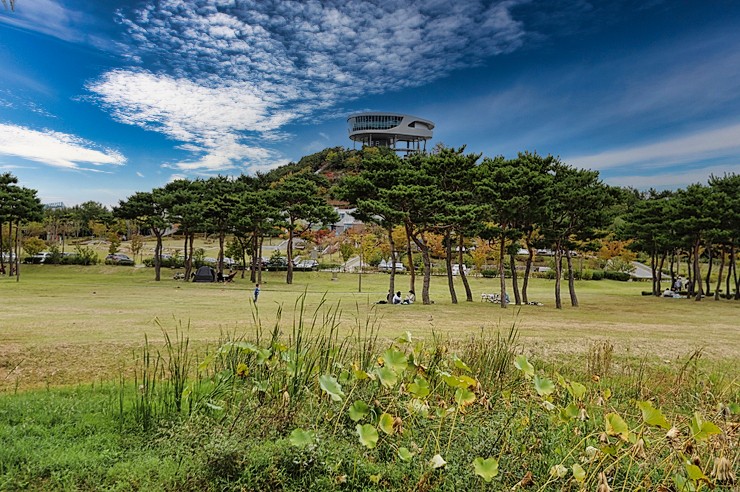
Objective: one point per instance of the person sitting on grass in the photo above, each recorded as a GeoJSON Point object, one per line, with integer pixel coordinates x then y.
{"type": "Point", "coordinates": [397, 298]}
{"type": "Point", "coordinates": [410, 299]}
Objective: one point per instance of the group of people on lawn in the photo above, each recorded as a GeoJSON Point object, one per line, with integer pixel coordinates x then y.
{"type": "Point", "coordinates": [396, 298]}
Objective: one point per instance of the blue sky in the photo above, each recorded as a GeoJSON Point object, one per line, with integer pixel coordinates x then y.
{"type": "Point", "coordinates": [101, 99]}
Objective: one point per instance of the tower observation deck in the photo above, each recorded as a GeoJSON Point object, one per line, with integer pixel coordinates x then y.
{"type": "Point", "coordinates": [398, 132]}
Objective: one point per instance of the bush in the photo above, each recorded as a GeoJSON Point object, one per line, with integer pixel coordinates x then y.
{"type": "Point", "coordinates": [489, 273]}
{"type": "Point", "coordinates": [597, 274]}
{"type": "Point", "coordinates": [619, 276]}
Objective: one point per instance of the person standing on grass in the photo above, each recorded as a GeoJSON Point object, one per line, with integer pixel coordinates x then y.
{"type": "Point", "coordinates": [256, 292]}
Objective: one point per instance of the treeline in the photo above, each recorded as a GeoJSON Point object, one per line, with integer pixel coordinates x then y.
{"type": "Point", "coordinates": [529, 202]}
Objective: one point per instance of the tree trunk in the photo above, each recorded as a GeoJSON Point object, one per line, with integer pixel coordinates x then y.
{"type": "Point", "coordinates": [157, 254]}
{"type": "Point", "coordinates": [709, 270]}
{"type": "Point", "coordinates": [514, 279]}
{"type": "Point", "coordinates": [721, 269]}
{"type": "Point", "coordinates": [289, 275]}
{"type": "Point", "coordinates": [463, 275]}
{"type": "Point", "coordinates": [502, 270]}
{"type": "Point", "coordinates": [558, 275]}
{"type": "Point", "coordinates": [571, 280]}
{"type": "Point", "coordinates": [448, 265]}
{"type": "Point", "coordinates": [660, 270]}
{"type": "Point", "coordinates": [255, 258]}
{"type": "Point", "coordinates": [673, 272]}
{"type": "Point", "coordinates": [17, 253]}
{"type": "Point", "coordinates": [220, 265]}
{"type": "Point", "coordinates": [191, 240]}
{"type": "Point", "coordinates": [527, 270]}
{"type": "Point", "coordinates": [690, 272]}
{"type": "Point", "coordinates": [260, 242]}
{"type": "Point", "coordinates": [392, 244]}
{"type": "Point", "coordinates": [187, 256]}
{"type": "Point", "coordinates": [412, 271]}
{"type": "Point", "coordinates": [653, 265]}
{"type": "Point", "coordinates": [697, 270]}
{"type": "Point", "coordinates": [422, 245]}
{"type": "Point", "coordinates": [2, 257]}
{"type": "Point", "coordinates": [734, 274]}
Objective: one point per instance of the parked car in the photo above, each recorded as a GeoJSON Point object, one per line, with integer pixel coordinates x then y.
{"type": "Point", "coordinates": [384, 266]}
{"type": "Point", "coordinates": [307, 265]}
{"type": "Point", "coordinates": [456, 269]}
{"type": "Point", "coordinates": [37, 258]}
{"type": "Point", "coordinates": [118, 259]}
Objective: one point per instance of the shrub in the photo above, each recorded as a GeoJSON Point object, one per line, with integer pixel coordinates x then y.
{"type": "Point", "coordinates": [619, 276]}
{"type": "Point", "coordinates": [489, 273]}
{"type": "Point", "coordinates": [597, 274]}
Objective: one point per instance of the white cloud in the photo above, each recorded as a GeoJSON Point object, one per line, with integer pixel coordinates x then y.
{"type": "Point", "coordinates": [141, 175]}
{"type": "Point", "coordinates": [721, 142]}
{"type": "Point", "coordinates": [52, 18]}
{"type": "Point", "coordinates": [224, 74]}
{"type": "Point", "coordinates": [55, 148]}
{"type": "Point", "coordinates": [673, 179]}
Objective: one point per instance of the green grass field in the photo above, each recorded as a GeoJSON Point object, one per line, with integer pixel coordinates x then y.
{"type": "Point", "coordinates": [64, 324]}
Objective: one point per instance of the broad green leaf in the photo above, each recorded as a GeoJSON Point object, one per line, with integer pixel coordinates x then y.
{"type": "Point", "coordinates": [206, 362]}
{"type": "Point", "coordinates": [468, 381]}
{"type": "Point", "coordinates": [419, 388]}
{"type": "Point", "coordinates": [360, 375]}
{"type": "Point", "coordinates": [521, 363]}
{"type": "Point", "coordinates": [464, 397]}
{"type": "Point", "coordinates": [301, 438]}
{"type": "Point", "coordinates": [576, 390]}
{"type": "Point", "coordinates": [385, 423]}
{"type": "Point", "coordinates": [213, 406]}
{"type": "Point", "coordinates": [701, 429]}
{"type": "Point", "coordinates": [607, 393]}
{"type": "Point", "coordinates": [695, 473]}
{"type": "Point", "coordinates": [616, 426]}
{"type": "Point", "coordinates": [405, 454]}
{"type": "Point", "coordinates": [486, 469]}
{"type": "Point", "coordinates": [396, 360]}
{"type": "Point", "coordinates": [652, 416]}
{"type": "Point", "coordinates": [358, 411]}
{"type": "Point", "coordinates": [263, 355]}
{"type": "Point", "coordinates": [558, 471]}
{"type": "Point", "coordinates": [569, 413]}
{"type": "Point", "coordinates": [437, 461]}
{"type": "Point", "coordinates": [387, 377]}
{"type": "Point", "coordinates": [368, 435]}
{"type": "Point", "coordinates": [405, 338]}
{"type": "Point", "coordinates": [376, 478]}
{"type": "Point", "coordinates": [453, 381]}
{"type": "Point", "coordinates": [543, 386]}
{"type": "Point", "coordinates": [683, 484]}
{"type": "Point", "coordinates": [460, 364]}
{"type": "Point", "coordinates": [331, 386]}
{"type": "Point", "coordinates": [579, 473]}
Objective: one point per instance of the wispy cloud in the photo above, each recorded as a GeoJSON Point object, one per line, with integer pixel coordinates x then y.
{"type": "Point", "coordinates": [55, 149]}
{"type": "Point", "coordinates": [222, 74]}
{"type": "Point", "coordinates": [700, 146]}
{"type": "Point", "coordinates": [673, 179]}
{"type": "Point", "coordinates": [53, 18]}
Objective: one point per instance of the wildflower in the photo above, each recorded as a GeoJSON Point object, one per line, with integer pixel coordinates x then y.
{"type": "Point", "coordinates": [583, 415]}
{"type": "Point", "coordinates": [723, 470]}
{"type": "Point", "coordinates": [603, 483]}
{"type": "Point", "coordinates": [673, 434]}
{"type": "Point", "coordinates": [638, 449]}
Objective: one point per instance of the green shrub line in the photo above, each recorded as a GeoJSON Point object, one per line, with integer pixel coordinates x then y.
{"type": "Point", "coordinates": [297, 406]}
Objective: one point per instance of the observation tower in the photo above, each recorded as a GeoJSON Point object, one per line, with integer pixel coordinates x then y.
{"type": "Point", "coordinates": [398, 132]}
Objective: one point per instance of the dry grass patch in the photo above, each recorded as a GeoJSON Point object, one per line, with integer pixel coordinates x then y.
{"type": "Point", "coordinates": [63, 325]}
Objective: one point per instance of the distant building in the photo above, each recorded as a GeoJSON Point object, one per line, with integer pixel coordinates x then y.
{"type": "Point", "coordinates": [55, 206]}
{"type": "Point", "coordinates": [346, 221]}
{"type": "Point", "coordinates": [399, 132]}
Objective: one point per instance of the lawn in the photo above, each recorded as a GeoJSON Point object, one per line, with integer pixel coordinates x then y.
{"type": "Point", "coordinates": [63, 324]}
